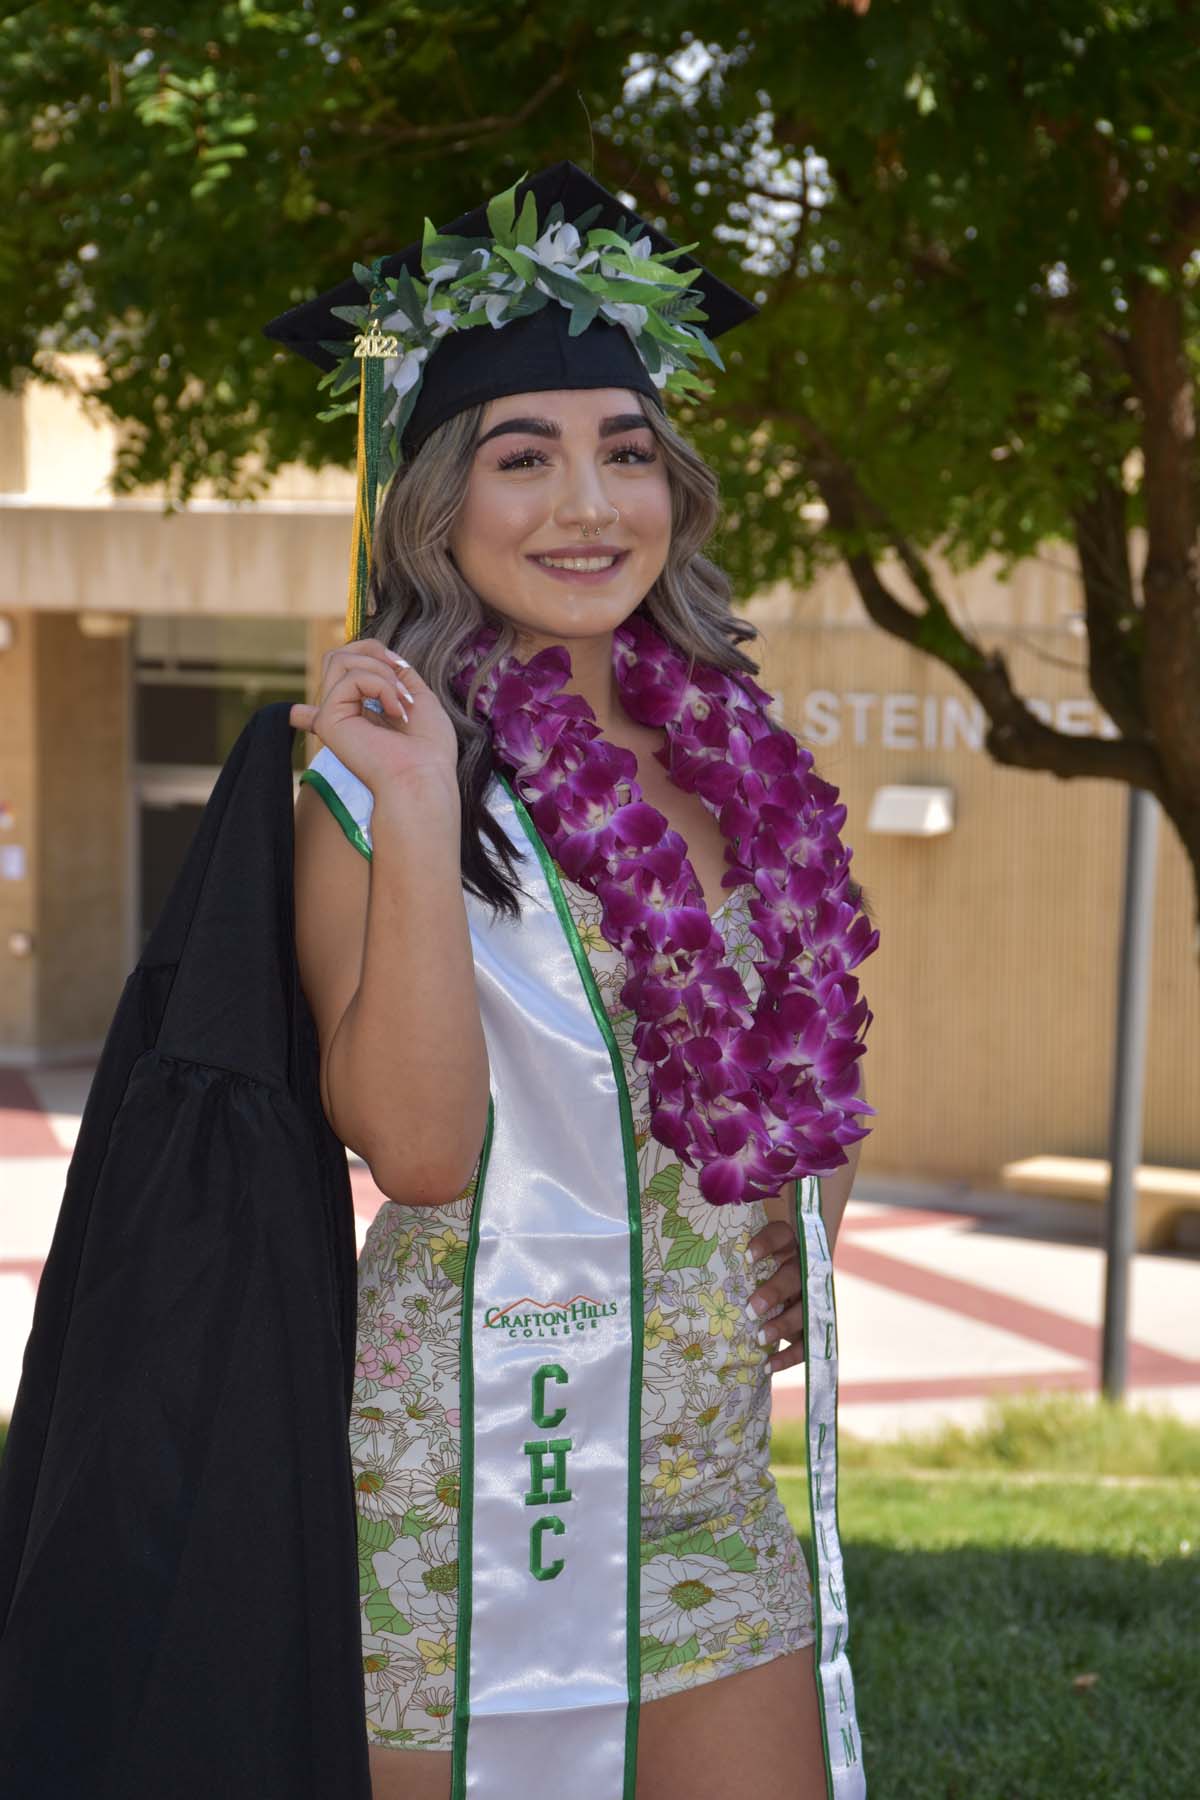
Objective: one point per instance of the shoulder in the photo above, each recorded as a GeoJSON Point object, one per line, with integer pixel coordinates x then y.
{"type": "Point", "coordinates": [349, 800]}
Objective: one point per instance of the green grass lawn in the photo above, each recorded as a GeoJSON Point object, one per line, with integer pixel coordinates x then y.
{"type": "Point", "coordinates": [1016, 1635]}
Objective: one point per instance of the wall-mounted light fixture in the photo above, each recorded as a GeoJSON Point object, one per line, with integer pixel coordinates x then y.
{"type": "Point", "coordinates": [104, 624]}
{"type": "Point", "coordinates": [912, 811]}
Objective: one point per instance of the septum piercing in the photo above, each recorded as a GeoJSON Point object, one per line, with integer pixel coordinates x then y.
{"type": "Point", "coordinates": [590, 530]}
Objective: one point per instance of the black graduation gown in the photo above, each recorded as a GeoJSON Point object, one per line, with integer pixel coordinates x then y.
{"type": "Point", "coordinates": [178, 1575]}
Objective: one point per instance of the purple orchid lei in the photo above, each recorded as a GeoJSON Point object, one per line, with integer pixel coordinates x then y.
{"type": "Point", "coordinates": [751, 1095]}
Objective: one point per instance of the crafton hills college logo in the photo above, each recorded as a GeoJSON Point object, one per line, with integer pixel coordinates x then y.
{"type": "Point", "coordinates": [528, 1318]}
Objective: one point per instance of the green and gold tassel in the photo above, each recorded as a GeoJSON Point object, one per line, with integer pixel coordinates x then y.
{"type": "Point", "coordinates": [370, 415]}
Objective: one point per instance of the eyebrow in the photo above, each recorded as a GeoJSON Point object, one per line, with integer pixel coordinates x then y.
{"type": "Point", "coordinates": [550, 428]}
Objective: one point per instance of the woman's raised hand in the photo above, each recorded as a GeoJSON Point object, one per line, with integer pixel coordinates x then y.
{"type": "Point", "coordinates": [412, 735]}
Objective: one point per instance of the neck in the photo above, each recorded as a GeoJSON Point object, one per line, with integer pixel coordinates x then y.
{"type": "Point", "coordinates": [592, 676]}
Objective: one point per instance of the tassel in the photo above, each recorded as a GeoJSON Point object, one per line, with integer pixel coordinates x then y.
{"type": "Point", "coordinates": [366, 482]}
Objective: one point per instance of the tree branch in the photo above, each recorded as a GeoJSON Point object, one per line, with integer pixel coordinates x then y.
{"type": "Point", "coordinates": [1170, 666]}
{"type": "Point", "coordinates": [471, 129]}
{"type": "Point", "coordinates": [1015, 736]}
{"type": "Point", "coordinates": [1114, 623]}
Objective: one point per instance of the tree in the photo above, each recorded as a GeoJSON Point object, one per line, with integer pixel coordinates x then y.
{"type": "Point", "coordinates": [972, 225]}
{"type": "Point", "coordinates": [978, 225]}
{"type": "Point", "coordinates": [171, 177]}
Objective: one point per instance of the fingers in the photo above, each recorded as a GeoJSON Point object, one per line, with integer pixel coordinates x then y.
{"type": "Point", "coordinates": [370, 647]}
{"type": "Point", "coordinates": [776, 1304]}
{"type": "Point", "coordinates": [369, 664]}
{"type": "Point", "coordinates": [786, 1324]}
{"type": "Point", "coordinates": [359, 680]}
{"type": "Point", "coordinates": [776, 1238]}
{"type": "Point", "coordinates": [782, 1285]}
{"type": "Point", "coordinates": [351, 679]}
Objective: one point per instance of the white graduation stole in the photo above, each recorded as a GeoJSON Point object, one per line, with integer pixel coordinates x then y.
{"type": "Point", "coordinates": [547, 1677]}
{"type": "Point", "coordinates": [547, 1670]}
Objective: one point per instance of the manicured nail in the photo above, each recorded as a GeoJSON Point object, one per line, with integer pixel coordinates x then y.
{"type": "Point", "coordinates": [765, 1336]}
{"type": "Point", "coordinates": [395, 656]}
{"type": "Point", "coordinates": [756, 1307]}
{"type": "Point", "coordinates": [751, 1256]}
{"type": "Point", "coordinates": [404, 691]}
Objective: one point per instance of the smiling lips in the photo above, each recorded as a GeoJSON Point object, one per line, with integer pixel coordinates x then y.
{"type": "Point", "coordinates": [594, 565]}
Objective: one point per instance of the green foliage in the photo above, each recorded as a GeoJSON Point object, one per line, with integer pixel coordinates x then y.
{"type": "Point", "coordinates": [986, 186]}
{"type": "Point", "coordinates": [170, 180]}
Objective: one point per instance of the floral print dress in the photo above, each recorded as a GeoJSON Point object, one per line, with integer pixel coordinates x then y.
{"type": "Point", "coordinates": [724, 1585]}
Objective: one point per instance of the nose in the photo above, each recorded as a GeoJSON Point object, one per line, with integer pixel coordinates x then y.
{"type": "Point", "coordinates": [584, 505]}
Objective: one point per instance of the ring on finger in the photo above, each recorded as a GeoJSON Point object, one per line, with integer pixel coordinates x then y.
{"type": "Point", "coordinates": [371, 704]}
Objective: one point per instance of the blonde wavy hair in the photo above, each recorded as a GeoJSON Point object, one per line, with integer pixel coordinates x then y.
{"type": "Point", "coordinates": [420, 605]}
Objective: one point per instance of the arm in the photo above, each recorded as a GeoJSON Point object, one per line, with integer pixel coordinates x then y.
{"type": "Point", "coordinates": [387, 967]}
{"type": "Point", "coordinates": [835, 1188]}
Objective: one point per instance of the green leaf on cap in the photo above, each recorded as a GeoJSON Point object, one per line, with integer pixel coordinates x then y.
{"type": "Point", "coordinates": [527, 224]}
{"type": "Point", "coordinates": [530, 300]}
{"type": "Point", "coordinates": [582, 313]}
{"type": "Point", "coordinates": [563, 287]}
{"type": "Point", "coordinates": [516, 260]}
{"type": "Point", "coordinates": [502, 213]}
{"type": "Point", "coordinates": [707, 347]}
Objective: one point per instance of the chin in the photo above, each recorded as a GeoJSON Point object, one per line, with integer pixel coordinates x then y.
{"type": "Point", "coordinates": [582, 615]}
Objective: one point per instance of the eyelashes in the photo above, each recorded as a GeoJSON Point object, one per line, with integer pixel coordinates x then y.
{"type": "Point", "coordinates": [516, 457]}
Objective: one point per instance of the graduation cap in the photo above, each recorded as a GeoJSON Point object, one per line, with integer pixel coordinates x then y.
{"type": "Point", "coordinates": [551, 284]}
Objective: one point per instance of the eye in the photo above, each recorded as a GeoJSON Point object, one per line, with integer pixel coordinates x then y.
{"type": "Point", "coordinates": [515, 458]}
{"type": "Point", "coordinates": [635, 450]}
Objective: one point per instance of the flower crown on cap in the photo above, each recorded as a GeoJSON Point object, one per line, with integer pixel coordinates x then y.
{"type": "Point", "coordinates": [605, 273]}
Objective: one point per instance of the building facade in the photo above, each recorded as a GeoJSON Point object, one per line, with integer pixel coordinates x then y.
{"type": "Point", "coordinates": [135, 643]}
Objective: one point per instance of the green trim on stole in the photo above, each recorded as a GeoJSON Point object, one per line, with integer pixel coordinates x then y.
{"type": "Point", "coordinates": [633, 1193]}
{"type": "Point", "coordinates": [466, 1523]}
{"type": "Point", "coordinates": [814, 1572]}
{"type": "Point", "coordinates": [340, 811]}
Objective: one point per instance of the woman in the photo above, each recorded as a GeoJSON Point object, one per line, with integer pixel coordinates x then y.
{"type": "Point", "coordinates": [539, 521]}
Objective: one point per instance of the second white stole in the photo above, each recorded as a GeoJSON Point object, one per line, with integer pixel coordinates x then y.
{"type": "Point", "coordinates": [547, 1667]}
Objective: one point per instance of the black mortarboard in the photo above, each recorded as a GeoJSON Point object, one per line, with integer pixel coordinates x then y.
{"type": "Point", "coordinates": [538, 346]}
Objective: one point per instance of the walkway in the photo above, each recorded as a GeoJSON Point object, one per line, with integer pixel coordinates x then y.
{"type": "Point", "coordinates": [946, 1295]}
